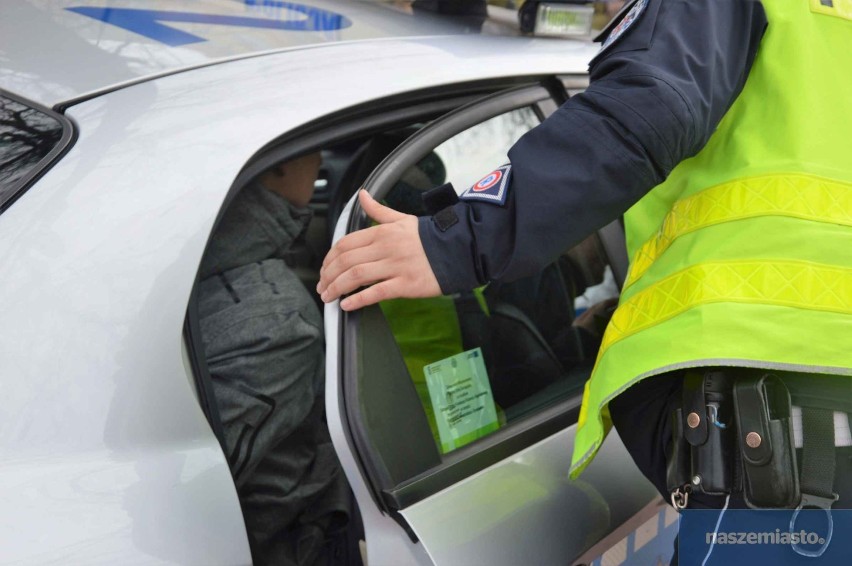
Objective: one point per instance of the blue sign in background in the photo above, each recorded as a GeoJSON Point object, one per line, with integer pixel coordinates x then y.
{"type": "Point", "coordinates": [756, 537]}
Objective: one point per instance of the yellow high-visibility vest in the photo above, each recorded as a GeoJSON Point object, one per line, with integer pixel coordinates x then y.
{"type": "Point", "coordinates": [743, 256]}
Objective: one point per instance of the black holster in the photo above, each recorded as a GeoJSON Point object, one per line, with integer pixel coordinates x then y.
{"type": "Point", "coordinates": [702, 450]}
{"type": "Point", "coordinates": [765, 438]}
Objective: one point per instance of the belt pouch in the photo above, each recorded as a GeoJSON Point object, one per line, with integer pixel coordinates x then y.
{"type": "Point", "coordinates": [706, 404]}
{"type": "Point", "coordinates": [711, 461]}
{"type": "Point", "coordinates": [765, 437]}
{"type": "Point", "coordinates": [677, 462]}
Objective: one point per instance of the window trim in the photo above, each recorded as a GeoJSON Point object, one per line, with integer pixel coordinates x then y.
{"type": "Point", "coordinates": [453, 123]}
{"type": "Point", "coordinates": [485, 452]}
{"type": "Point", "coordinates": [66, 141]}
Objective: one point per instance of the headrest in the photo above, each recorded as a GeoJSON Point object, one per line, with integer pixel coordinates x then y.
{"type": "Point", "coordinates": [406, 195]}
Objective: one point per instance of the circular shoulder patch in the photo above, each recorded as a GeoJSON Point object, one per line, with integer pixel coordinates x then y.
{"type": "Point", "coordinates": [492, 188]}
{"type": "Point", "coordinates": [488, 181]}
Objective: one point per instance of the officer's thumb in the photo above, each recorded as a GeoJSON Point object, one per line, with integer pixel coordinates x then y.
{"type": "Point", "coordinates": [378, 212]}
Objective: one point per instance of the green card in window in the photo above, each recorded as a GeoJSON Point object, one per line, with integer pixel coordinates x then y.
{"type": "Point", "coordinates": [461, 398]}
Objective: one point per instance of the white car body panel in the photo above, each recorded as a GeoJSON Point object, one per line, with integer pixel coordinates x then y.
{"type": "Point", "coordinates": [525, 509]}
{"type": "Point", "coordinates": [50, 70]}
{"type": "Point", "coordinates": [103, 439]}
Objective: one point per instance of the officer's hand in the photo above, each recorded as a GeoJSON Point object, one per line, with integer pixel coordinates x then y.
{"type": "Point", "coordinates": [388, 257]}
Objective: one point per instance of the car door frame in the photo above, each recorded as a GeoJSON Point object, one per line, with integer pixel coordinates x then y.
{"type": "Point", "coordinates": [464, 461]}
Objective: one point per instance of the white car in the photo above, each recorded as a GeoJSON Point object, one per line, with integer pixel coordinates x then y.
{"type": "Point", "coordinates": [125, 129]}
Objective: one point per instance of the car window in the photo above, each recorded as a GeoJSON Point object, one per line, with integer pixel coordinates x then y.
{"type": "Point", "coordinates": [440, 388]}
{"type": "Point", "coordinates": [27, 137]}
{"type": "Point", "coordinates": [483, 359]}
{"type": "Point", "coordinates": [471, 153]}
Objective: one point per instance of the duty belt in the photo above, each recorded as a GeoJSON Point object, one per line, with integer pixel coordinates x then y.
{"type": "Point", "coordinates": [737, 431]}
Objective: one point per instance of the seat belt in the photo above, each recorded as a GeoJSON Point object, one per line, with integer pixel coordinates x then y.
{"type": "Point", "coordinates": [473, 320]}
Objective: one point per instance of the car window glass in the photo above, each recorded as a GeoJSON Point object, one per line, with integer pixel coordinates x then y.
{"type": "Point", "coordinates": [27, 136]}
{"type": "Point", "coordinates": [483, 359]}
{"type": "Point", "coordinates": [472, 153]}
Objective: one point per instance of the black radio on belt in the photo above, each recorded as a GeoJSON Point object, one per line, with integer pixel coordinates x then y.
{"type": "Point", "coordinates": [702, 448]}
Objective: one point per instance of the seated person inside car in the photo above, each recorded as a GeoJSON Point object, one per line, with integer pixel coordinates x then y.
{"type": "Point", "coordinates": [263, 341]}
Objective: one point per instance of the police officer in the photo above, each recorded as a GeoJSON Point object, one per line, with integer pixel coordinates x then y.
{"type": "Point", "coordinates": [720, 125]}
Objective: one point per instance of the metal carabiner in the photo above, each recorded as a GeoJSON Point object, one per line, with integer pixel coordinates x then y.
{"type": "Point", "coordinates": [680, 497]}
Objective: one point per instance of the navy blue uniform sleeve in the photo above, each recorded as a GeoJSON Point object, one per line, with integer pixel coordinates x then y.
{"type": "Point", "coordinates": [656, 94]}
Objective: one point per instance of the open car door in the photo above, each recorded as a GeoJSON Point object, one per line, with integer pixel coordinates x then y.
{"type": "Point", "coordinates": [454, 417]}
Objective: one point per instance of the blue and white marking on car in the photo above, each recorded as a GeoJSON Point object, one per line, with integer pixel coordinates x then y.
{"type": "Point", "coordinates": [150, 23]}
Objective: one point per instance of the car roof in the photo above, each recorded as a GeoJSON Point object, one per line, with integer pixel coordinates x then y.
{"type": "Point", "coordinates": [52, 51]}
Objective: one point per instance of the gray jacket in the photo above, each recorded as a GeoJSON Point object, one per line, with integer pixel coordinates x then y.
{"type": "Point", "coordinates": [263, 341]}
